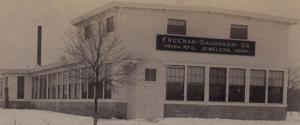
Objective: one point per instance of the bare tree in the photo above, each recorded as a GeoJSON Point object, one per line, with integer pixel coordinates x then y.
{"type": "Point", "coordinates": [99, 49]}
{"type": "Point", "coordinates": [293, 84]}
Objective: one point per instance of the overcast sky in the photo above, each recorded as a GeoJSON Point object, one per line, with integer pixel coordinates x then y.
{"type": "Point", "coordinates": [19, 20]}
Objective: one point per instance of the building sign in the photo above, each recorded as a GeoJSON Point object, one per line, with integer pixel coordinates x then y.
{"type": "Point", "coordinates": [205, 45]}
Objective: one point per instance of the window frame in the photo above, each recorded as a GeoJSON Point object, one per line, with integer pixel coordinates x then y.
{"type": "Point", "coordinates": [232, 36]}
{"type": "Point", "coordinates": [110, 24]}
{"type": "Point", "coordinates": [171, 32]}
{"type": "Point", "coordinates": [150, 74]}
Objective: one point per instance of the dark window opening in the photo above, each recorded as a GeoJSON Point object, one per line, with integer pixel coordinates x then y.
{"type": "Point", "coordinates": [257, 86]}
{"type": "Point", "coordinates": [175, 82]}
{"type": "Point", "coordinates": [110, 24]}
{"type": "Point", "coordinates": [217, 84]}
{"type": "Point", "coordinates": [236, 85]}
{"type": "Point", "coordinates": [84, 83]}
{"type": "Point", "coordinates": [176, 27]}
{"type": "Point", "coordinates": [20, 87]}
{"type": "Point", "coordinates": [87, 32]}
{"type": "Point", "coordinates": [195, 83]}
{"type": "Point", "coordinates": [108, 81]}
{"type": "Point", "coordinates": [239, 32]}
{"type": "Point", "coordinates": [275, 88]}
{"type": "Point", "coordinates": [150, 74]}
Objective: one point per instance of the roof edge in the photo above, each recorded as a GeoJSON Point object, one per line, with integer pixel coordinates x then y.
{"type": "Point", "coordinates": [183, 7]}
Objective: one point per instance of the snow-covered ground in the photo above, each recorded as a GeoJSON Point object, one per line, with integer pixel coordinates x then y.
{"type": "Point", "coordinates": [37, 117]}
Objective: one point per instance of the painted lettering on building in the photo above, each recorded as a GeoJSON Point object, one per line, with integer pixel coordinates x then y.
{"type": "Point", "coordinates": [205, 45]}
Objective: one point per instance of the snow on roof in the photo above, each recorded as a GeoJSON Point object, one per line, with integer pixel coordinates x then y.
{"type": "Point", "coordinates": [122, 4]}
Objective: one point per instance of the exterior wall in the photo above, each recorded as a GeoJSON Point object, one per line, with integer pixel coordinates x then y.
{"type": "Point", "coordinates": [145, 98]}
{"type": "Point", "coordinates": [105, 109]}
{"type": "Point", "coordinates": [139, 27]}
{"type": "Point", "coordinates": [221, 111]}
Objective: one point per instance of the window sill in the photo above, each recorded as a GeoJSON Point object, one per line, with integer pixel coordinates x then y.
{"type": "Point", "coordinates": [226, 103]}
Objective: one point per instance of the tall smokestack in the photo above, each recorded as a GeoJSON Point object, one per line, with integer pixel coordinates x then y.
{"type": "Point", "coordinates": [39, 46]}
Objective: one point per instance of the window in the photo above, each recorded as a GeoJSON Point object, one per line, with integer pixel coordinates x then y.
{"type": "Point", "coordinates": [60, 85]}
{"type": "Point", "coordinates": [150, 75]}
{"type": "Point", "coordinates": [176, 27]}
{"type": "Point", "coordinates": [1, 88]}
{"type": "Point", "coordinates": [84, 81]}
{"type": "Point", "coordinates": [77, 84]}
{"type": "Point", "coordinates": [41, 91]}
{"type": "Point", "coordinates": [108, 81]}
{"type": "Point", "coordinates": [217, 84]}
{"type": "Point", "coordinates": [20, 87]}
{"type": "Point", "coordinates": [236, 85]}
{"type": "Point", "coordinates": [239, 31]}
{"type": "Point", "coordinates": [91, 88]}
{"type": "Point", "coordinates": [275, 87]}
{"type": "Point", "coordinates": [110, 24]}
{"type": "Point", "coordinates": [65, 85]}
{"type": "Point", "coordinates": [50, 86]}
{"type": "Point", "coordinates": [35, 87]}
{"type": "Point", "coordinates": [87, 32]}
{"type": "Point", "coordinates": [195, 83]}
{"type": "Point", "coordinates": [45, 87]}
{"type": "Point", "coordinates": [54, 85]}
{"type": "Point", "coordinates": [72, 84]}
{"type": "Point", "coordinates": [257, 86]}
{"type": "Point", "coordinates": [175, 82]}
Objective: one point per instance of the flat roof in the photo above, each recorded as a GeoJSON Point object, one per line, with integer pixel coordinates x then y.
{"type": "Point", "coordinates": [122, 4]}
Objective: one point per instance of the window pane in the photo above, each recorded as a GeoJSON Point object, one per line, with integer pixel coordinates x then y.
{"type": "Point", "coordinates": [150, 75]}
{"type": "Point", "coordinates": [72, 84]}
{"type": "Point", "coordinates": [87, 32]}
{"type": "Point", "coordinates": [60, 85]}
{"type": "Point", "coordinates": [77, 84]}
{"type": "Point", "coordinates": [45, 87]}
{"type": "Point", "coordinates": [257, 86]}
{"type": "Point", "coordinates": [217, 84]}
{"type": "Point", "coordinates": [236, 85]}
{"type": "Point", "coordinates": [50, 86]}
{"type": "Point", "coordinates": [195, 83]}
{"type": "Point", "coordinates": [108, 81]}
{"type": "Point", "coordinates": [65, 85]}
{"type": "Point", "coordinates": [275, 88]}
{"type": "Point", "coordinates": [176, 27]}
{"type": "Point", "coordinates": [41, 87]}
{"type": "Point", "coordinates": [90, 85]}
{"type": "Point", "coordinates": [20, 87]}
{"type": "Point", "coordinates": [110, 24]}
{"type": "Point", "coordinates": [239, 32]}
{"type": "Point", "coordinates": [175, 82]}
{"type": "Point", "coordinates": [54, 85]}
{"type": "Point", "coordinates": [84, 83]}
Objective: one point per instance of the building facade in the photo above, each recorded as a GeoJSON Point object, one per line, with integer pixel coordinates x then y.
{"type": "Point", "coordinates": [201, 62]}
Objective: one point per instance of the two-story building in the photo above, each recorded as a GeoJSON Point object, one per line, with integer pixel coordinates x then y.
{"type": "Point", "coordinates": [202, 62]}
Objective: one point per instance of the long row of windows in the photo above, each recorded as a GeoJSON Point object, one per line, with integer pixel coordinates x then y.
{"type": "Point", "coordinates": [71, 84]}
{"type": "Point", "coordinates": [220, 83]}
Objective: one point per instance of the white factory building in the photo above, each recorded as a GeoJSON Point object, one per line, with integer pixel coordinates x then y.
{"type": "Point", "coordinates": [202, 62]}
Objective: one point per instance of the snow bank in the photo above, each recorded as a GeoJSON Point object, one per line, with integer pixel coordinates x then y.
{"type": "Point", "coordinates": [37, 117]}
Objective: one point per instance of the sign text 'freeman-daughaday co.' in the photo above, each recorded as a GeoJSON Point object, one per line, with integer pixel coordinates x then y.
{"type": "Point", "coordinates": [205, 45]}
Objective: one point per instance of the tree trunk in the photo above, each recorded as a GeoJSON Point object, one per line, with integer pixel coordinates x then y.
{"type": "Point", "coordinates": [96, 104]}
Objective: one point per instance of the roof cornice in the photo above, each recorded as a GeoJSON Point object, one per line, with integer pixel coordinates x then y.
{"type": "Point", "coordinates": [123, 4]}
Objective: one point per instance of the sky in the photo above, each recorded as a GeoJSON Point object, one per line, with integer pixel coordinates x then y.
{"type": "Point", "coordinates": [19, 20]}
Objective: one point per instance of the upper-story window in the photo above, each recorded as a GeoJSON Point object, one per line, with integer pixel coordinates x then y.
{"type": "Point", "coordinates": [110, 24]}
{"type": "Point", "coordinates": [87, 32]}
{"type": "Point", "coordinates": [176, 27]}
{"type": "Point", "coordinates": [239, 31]}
